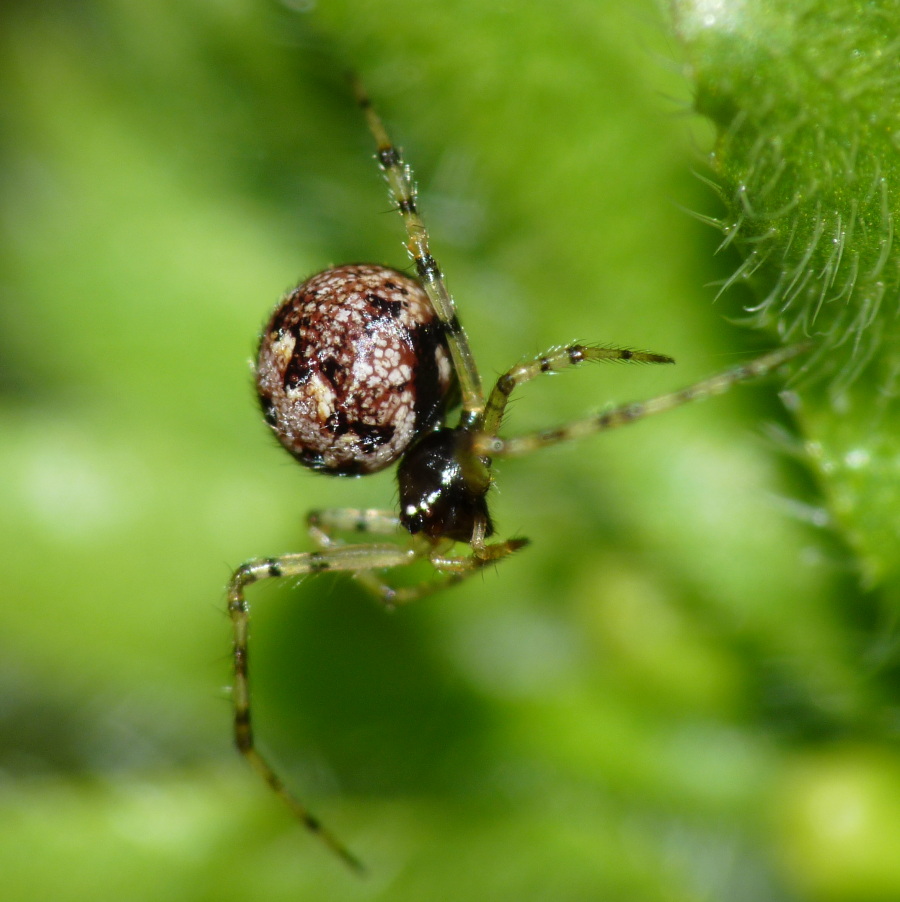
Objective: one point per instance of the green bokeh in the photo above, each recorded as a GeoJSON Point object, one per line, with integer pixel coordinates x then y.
{"type": "Point", "coordinates": [678, 692]}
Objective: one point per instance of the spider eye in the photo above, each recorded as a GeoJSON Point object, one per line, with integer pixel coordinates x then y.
{"type": "Point", "coordinates": [435, 497]}
{"type": "Point", "coordinates": [352, 367]}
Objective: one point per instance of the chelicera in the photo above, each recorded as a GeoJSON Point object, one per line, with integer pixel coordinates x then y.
{"type": "Point", "coordinates": [357, 370]}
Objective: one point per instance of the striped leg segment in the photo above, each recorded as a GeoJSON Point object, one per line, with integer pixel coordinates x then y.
{"type": "Point", "coordinates": [494, 446]}
{"type": "Point", "coordinates": [351, 557]}
{"type": "Point", "coordinates": [323, 524]}
{"type": "Point", "coordinates": [554, 361]}
{"type": "Point", "coordinates": [403, 190]}
{"type": "Point", "coordinates": [482, 557]}
{"type": "Point", "coordinates": [363, 561]}
{"type": "Point", "coordinates": [451, 570]}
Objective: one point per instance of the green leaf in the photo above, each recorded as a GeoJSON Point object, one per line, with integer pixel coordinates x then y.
{"type": "Point", "coordinates": [806, 102]}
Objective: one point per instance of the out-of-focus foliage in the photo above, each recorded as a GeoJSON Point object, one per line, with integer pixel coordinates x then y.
{"type": "Point", "coordinates": [679, 692]}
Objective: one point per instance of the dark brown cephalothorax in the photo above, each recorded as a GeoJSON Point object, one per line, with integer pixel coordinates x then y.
{"type": "Point", "coordinates": [357, 369]}
{"type": "Point", "coordinates": [352, 367]}
{"type": "Point", "coordinates": [440, 496]}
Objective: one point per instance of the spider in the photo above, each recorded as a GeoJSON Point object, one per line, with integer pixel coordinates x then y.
{"type": "Point", "coordinates": [357, 369]}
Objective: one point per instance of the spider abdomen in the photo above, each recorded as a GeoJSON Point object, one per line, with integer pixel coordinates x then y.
{"type": "Point", "coordinates": [352, 367]}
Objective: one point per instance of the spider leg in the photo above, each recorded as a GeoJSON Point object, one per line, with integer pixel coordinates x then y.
{"type": "Point", "coordinates": [554, 361]}
{"type": "Point", "coordinates": [350, 557]}
{"type": "Point", "coordinates": [323, 524]}
{"type": "Point", "coordinates": [479, 558]}
{"type": "Point", "coordinates": [403, 190]}
{"type": "Point", "coordinates": [494, 446]}
{"type": "Point", "coordinates": [363, 561]}
{"type": "Point", "coordinates": [451, 569]}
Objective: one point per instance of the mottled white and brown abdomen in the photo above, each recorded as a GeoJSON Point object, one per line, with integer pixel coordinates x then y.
{"type": "Point", "coordinates": [352, 367]}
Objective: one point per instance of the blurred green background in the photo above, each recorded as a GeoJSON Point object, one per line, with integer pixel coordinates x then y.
{"type": "Point", "coordinates": [679, 692]}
